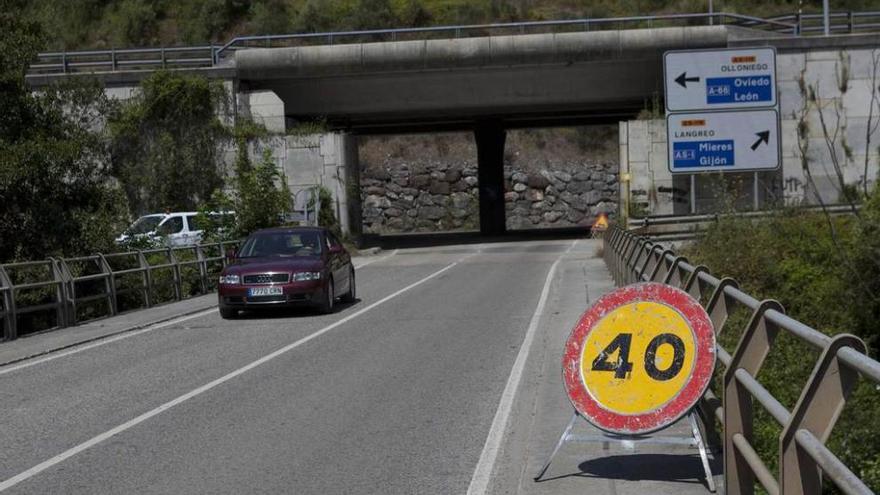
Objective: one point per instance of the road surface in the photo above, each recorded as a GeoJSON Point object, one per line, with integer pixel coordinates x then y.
{"type": "Point", "coordinates": [439, 379]}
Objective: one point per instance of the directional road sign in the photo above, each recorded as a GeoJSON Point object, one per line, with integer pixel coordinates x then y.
{"type": "Point", "coordinates": [720, 79]}
{"type": "Point", "coordinates": [639, 358]}
{"type": "Point", "coordinates": [723, 141]}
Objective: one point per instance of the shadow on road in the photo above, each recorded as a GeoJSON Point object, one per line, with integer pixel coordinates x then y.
{"type": "Point", "coordinates": [679, 468]}
{"type": "Point", "coordinates": [269, 313]}
{"type": "Point", "coordinates": [451, 238]}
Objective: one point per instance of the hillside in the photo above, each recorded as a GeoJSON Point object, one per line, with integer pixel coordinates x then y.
{"type": "Point", "coordinates": [78, 24]}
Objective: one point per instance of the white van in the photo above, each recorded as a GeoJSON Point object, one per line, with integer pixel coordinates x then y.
{"type": "Point", "coordinates": [173, 229]}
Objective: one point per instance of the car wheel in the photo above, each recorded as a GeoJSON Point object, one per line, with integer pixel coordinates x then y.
{"type": "Point", "coordinates": [351, 294]}
{"type": "Point", "coordinates": [228, 313]}
{"type": "Point", "coordinates": [326, 306]}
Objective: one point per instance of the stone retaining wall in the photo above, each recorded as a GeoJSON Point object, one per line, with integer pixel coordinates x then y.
{"type": "Point", "coordinates": [415, 185]}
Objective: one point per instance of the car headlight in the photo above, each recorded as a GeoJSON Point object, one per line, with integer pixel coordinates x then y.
{"type": "Point", "coordinates": [229, 279]}
{"type": "Point", "coordinates": [305, 276]}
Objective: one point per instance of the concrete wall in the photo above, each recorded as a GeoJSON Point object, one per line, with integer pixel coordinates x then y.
{"type": "Point", "coordinates": [328, 160]}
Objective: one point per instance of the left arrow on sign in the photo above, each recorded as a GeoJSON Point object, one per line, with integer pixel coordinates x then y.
{"type": "Point", "coordinates": [683, 79]}
{"type": "Point", "coordinates": [763, 137]}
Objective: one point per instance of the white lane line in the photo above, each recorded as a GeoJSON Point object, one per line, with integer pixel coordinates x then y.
{"type": "Point", "coordinates": [204, 388]}
{"type": "Point", "coordinates": [383, 258]}
{"type": "Point", "coordinates": [489, 455]}
{"type": "Point", "coordinates": [99, 343]}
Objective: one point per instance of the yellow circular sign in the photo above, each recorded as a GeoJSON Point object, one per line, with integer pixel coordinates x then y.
{"type": "Point", "coordinates": [638, 357]}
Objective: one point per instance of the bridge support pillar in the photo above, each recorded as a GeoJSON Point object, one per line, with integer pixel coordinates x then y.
{"type": "Point", "coordinates": [490, 137]}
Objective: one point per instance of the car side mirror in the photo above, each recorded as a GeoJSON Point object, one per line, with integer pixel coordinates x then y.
{"type": "Point", "coordinates": [230, 255]}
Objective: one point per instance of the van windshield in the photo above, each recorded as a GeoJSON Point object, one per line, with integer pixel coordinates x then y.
{"type": "Point", "coordinates": [145, 225]}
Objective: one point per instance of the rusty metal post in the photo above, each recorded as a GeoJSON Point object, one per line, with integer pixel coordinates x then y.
{"type": "Point", "coordinates": [147, 278]}
{"type": "Point", "coordinates": [10, 327]}
{"type": "Point", "coordinates": [738, 412]}
{"type": "Point", "coordinates": [817, 410]}
{"type": "Point", "coordinates": [717, 307]}
{"type": "Point", "coordinates": [109, 284]}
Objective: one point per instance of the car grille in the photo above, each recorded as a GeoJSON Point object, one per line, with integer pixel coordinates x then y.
{"type": "Point", "coordinates": [267, 278]}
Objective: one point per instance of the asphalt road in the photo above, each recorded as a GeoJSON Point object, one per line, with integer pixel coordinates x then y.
{"type": "Point", "coordinates": [395, 398]}
{"type": "Point", "coordinates": [442, 378]}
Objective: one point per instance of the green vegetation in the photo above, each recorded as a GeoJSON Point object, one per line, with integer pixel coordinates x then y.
{"type": "Point", "coordinates": [108, 23]}
{"type": "Point", "coordinates": [55, 189]}
{"type": "Point", "coordinates": [825, 271]}
{"type": "Point", "coordinates": [165, 143]}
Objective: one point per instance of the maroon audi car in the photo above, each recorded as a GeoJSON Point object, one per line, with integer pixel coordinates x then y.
{"type": "Point", "coordinates": [287, 266]}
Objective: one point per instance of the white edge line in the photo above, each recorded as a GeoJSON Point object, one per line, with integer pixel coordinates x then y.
{"type": "Point", "coordinates": [382, 258]}
{"type": "Point", "coordinates": [9, 483]}
{"type": "Point", "coordinates": [483, 472]}
{"type": "Point", "coordinates": [124, 335]}
{"type": "Point", "coordinates": [55, 355]}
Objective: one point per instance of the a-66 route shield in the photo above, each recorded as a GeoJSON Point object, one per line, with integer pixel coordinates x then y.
{"type": "Point", "coordinates": [639, 358]}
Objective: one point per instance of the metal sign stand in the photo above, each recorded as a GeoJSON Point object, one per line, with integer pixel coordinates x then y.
{"type": "Point", "coordinates": [630, 443]}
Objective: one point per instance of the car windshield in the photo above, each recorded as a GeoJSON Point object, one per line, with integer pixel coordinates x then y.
{"type": "Point", "coordinates": [281, 244]}
{"type": "Point", "coordinates": [145, 225]}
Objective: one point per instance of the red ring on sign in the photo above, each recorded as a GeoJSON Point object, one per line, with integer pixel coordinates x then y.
{"type": "Point", "coordinates": [694, 387]}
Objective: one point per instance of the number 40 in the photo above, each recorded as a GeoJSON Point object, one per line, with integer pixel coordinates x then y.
{"type": "Point", "coordinates": [622, 366]}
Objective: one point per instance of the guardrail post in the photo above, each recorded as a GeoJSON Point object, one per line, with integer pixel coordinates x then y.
{"type": "Point", "coordinates": [162, 54]}
{"type": "Point", "coordinates": [113, 59]}
{"type": "Point", "coordinates": [203, 268]}
{"type": "Point", "coordinates": [692, 284]}
{"type": "Point", "coordinates": [64, 62]}
{"type": "Point", "coordinates": [817, 410]}
{"type": "Point", "coordinates": [738, 412]}
{"type": "Point", "coordinates": [68, 290]}
{"type": "Point", "coordinates": [717, 305]}
{"type": "Point", "coordinates": [798, 24]}
{"type": "Point", "coordinates": [175, 270]}
{"type": "Point", "coordinates": [147, 278]}
{"type": "Point", "coordinates": [10, 329]}
{"type": "Point", "coordinates": [851, 22]}
{"type": "Point", "coordinates": [60, 293]}
{"type": "Point", "coordinates": [661, 264]}
{"type": "Point", "coordinates": [673, 276]}
{"type": "Point", "coordinates": [109, 284]}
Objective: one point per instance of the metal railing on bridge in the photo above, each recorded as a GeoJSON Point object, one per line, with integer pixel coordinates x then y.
{"type": "Point", "coordinates": [803, 457]}
{"type": "Point", "coordinates": [63, 292]}
{"type": "Point", "coordinates": [213, 56]}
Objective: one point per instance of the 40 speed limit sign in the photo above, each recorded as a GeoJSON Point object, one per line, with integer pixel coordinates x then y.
{"type": "Point", "coordinates": [639, 358]}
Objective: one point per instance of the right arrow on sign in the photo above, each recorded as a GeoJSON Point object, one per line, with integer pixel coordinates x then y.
{"type": "Point", "coordinates": [683, 79]}
{"type": "Point", "coordinates": [763, 137]}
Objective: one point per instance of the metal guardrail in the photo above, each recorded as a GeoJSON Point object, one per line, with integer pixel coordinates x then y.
{"type": "Point", "coordinates": [65, 285]}
{"type": "Point", "coordinates": [211, 56]}
{"type": "Point", "coordinates": [667, 228]}
{"type": "Point", "coordinates": [804, 458]}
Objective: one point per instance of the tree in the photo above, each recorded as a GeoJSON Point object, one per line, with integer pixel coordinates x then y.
{"type": "Point", "coordinates": [258, 193]}
{"type": "Point", "coordinates": [56, 194]}
{"type": "Point", "coordinates": [166, 143]}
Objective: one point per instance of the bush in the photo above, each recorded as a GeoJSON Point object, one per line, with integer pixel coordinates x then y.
{"type": "Point", "coordinates": [825, 273]}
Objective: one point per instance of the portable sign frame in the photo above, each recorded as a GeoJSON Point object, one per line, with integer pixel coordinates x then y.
{"type": "Point", "coordinates": [747, 136]}
{"type": "Point", "coordinates": [633, 394]}
{"type": "Point", "coordinates": [720, 79]}
{"type": "Point", "coordinates": [623, 312]}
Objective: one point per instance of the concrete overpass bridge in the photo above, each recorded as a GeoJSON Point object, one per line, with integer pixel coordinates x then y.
{"type": "Point", "coordinates": [578, 73]}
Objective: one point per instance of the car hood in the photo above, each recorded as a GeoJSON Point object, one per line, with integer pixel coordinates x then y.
{"type": "Point", "coordinates": [273, 264]}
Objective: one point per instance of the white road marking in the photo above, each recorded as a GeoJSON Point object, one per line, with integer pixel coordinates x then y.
{"type": "Point", "coordinates": [109, 340]}
{"type": "Point", "coordinates": [489, 455]}
{"type": "Point", "coordinates": [134, 333]}
{"type": "Point", "coordinates": [204, 388]}
{"type": "Point", "coordinates": [382, 258]}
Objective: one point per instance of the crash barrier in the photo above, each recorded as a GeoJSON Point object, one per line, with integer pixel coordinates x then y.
{"type": "Point", "coordinates": [803, 457]}
{"type": "Point", "coordinates": [67, 291]}
{"type": "Point", "coordinates": [188, 57]}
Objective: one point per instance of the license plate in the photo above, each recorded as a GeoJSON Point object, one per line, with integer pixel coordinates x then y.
{"type": "Point", "coordinates": [265, 291]}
